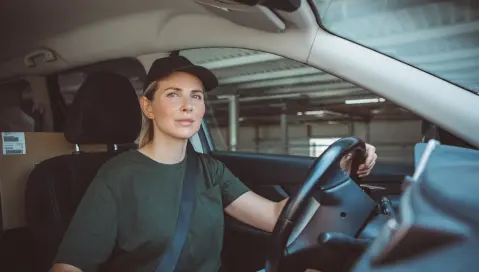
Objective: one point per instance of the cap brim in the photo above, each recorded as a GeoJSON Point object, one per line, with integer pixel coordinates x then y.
{"type": "Point", "coordinates": [209, 79]}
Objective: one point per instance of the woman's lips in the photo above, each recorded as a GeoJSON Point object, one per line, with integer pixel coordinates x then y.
{"type": "Point", "coordinates": [185, 122]}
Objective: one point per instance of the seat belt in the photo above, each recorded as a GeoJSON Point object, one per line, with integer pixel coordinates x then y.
{"type": "Point", "coordinates": [172, 254]}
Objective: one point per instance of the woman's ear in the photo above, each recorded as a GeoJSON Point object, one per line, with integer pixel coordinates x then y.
{"type": "Point", "coordinates": [145, 105]}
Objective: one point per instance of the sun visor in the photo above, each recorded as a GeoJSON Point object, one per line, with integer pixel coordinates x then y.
{"type": "Point", "coordinates": [252, 16]}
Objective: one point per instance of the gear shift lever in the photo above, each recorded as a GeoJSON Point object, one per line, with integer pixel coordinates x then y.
{"type": "Point", "coordinates": [387, 207]}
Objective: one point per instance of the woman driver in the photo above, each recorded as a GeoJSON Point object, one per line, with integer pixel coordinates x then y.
{"type": "Point", "coordinates": [130, 209]}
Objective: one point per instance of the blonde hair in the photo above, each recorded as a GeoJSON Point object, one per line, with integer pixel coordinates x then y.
{"type": "Point", "coordinates": [147, 132]}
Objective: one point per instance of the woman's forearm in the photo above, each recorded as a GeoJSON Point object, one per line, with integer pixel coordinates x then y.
{"type": "Point", "coordinates": [279, 208]}
{"type": "Point", "coordinates": [256, 211]}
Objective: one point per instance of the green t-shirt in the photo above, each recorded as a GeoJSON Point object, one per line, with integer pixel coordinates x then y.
{"type": "Point", "coordinates": [130, 212]}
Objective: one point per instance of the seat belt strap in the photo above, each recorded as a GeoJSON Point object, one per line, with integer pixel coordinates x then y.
{"type": "Point", "coordinates": [172, 254]}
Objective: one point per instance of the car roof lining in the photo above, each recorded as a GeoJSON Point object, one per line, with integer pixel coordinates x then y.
{"type": "Point", "coordinates": [118, 36]}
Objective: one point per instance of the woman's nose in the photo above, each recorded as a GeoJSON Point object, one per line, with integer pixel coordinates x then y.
{"type": "Point", "coordinates": [187, 105]}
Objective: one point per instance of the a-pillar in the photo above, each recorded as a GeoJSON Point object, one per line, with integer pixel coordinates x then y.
{"type": "Point", "coordinates": [284, 132]}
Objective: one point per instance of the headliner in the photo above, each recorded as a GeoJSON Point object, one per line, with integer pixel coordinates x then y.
{"type": "Point", "coordinates": [24, 23]}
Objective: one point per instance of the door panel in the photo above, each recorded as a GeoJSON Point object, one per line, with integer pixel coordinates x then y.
{"type": "Point", "coordinates": [275, 177]}
{"type": "Point", "coordinates": [262, 169]}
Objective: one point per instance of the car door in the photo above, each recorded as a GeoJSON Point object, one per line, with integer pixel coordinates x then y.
{"type": "Point", "coordinates": [271, 117]}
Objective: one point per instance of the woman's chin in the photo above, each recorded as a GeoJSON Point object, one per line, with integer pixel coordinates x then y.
{"type": "Point", "coordinates": [184, 134]}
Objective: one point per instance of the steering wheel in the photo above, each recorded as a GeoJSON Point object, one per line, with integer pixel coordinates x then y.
{"type": "Point", "coordinates": [322, 175]}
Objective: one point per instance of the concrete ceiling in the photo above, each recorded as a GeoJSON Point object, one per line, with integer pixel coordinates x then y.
{"type": "Point", "coordinates": [441, 36]}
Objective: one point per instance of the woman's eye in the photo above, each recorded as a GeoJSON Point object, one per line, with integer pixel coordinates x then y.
{"type": "Point", "coordinates": [198, 96]}
{"type": "Point", "coordinates": [172, 94]}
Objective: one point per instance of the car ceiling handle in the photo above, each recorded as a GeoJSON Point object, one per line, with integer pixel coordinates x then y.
{"type": "Point", "coordinates": [48, 56]}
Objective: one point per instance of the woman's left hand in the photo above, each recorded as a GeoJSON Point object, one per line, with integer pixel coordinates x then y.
{"type": "Point", "coordinates": [365, 168]}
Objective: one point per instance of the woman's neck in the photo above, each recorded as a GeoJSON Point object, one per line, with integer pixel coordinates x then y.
{"type": "Point", "coordinates": [166, 150]}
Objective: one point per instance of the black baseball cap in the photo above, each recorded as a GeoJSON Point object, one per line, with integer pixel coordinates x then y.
{"type": "Point", "coordinates": [163, 67]}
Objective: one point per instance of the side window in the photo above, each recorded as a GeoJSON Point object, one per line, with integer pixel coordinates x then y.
{"type": "Point", "coordinates": [69, 82]}
{"type": "Point", "coordinates": [17, 108]}
{"type": "Point", "coordinates": [269, 104]}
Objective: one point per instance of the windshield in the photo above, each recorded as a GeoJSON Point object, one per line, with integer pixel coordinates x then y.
{"type": "Point", "coordinates": [437, 36]}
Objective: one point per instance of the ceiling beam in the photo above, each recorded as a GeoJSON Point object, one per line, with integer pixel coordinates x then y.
{"type": "Point", "coordinates": [451, 56]}
{"type": "Point", "coordinates": [271, 75]}
{"type": "Point", "coordinates": [338, 10]}
{"type": "Point", "coordinates": [274, 120]}
{"type": "Point", "coordinates": [240, 61]}
{"type": "Point", "coordinates": [421, 35]}
{"type": "Point", "coordinates": [293, 109]}
{"type": "Point", "coordinates": [295, 94]}
{"type": "Point", "coordinates": [303, 102]}
{"type": "Point", "coordinates": [288, 81]}
{"type": "Point", "coordinates": [432, 62]}
{"type": "Point", "coordinates": [459, 64]}
{"type": "Point", "coordinates": [319, 90]}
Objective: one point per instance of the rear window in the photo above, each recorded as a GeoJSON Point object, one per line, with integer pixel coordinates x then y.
{"type": "Point", "coordinates": [17, 112]}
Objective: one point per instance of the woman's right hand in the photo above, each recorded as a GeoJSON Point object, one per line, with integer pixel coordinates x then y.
{"type": "Point", "coordinates": [65, 268]}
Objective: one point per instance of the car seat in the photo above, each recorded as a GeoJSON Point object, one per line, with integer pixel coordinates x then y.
{"type": "Point", "coordinates": [105, 111]}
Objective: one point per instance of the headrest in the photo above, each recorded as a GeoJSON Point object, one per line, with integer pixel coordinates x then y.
{"type": "Point", "coordinates": [105, 110]}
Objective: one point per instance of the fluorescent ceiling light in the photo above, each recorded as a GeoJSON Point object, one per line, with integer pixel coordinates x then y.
{"type": "Point", "coordinates": [364, 101]}
{"type": "Point", "coordinates": [317, 113]}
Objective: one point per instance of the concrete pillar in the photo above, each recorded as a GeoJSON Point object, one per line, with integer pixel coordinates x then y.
{"type": "Point", "coordinates": [256, 138]}
{"type": "Point", "coordinates": [233, 122]}
{"type": "Point", "coordinates": [351, 128]}
{"type": "Point", "coordinates": [284, 132]}
{"type": "Point", "coordinates": [368, 131]}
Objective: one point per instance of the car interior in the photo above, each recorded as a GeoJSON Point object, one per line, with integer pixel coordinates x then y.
{"type": "Point", "coordinates": [302, 83]}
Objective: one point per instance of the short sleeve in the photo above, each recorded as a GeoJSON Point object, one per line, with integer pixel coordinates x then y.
{"type": "Point", "coordinates": [231, 186]}
{"type": "Point", "coordinates": [91, 235]}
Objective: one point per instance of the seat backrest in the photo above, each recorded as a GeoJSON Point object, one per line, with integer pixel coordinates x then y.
{"type": "Point", "coordinates": [15, 169]}
{"type": "Point", "coordinates": [105, 111]}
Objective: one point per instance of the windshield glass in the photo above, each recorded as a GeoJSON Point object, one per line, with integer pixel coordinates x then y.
{"type": "Point", "coordinates": [437, 36]}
